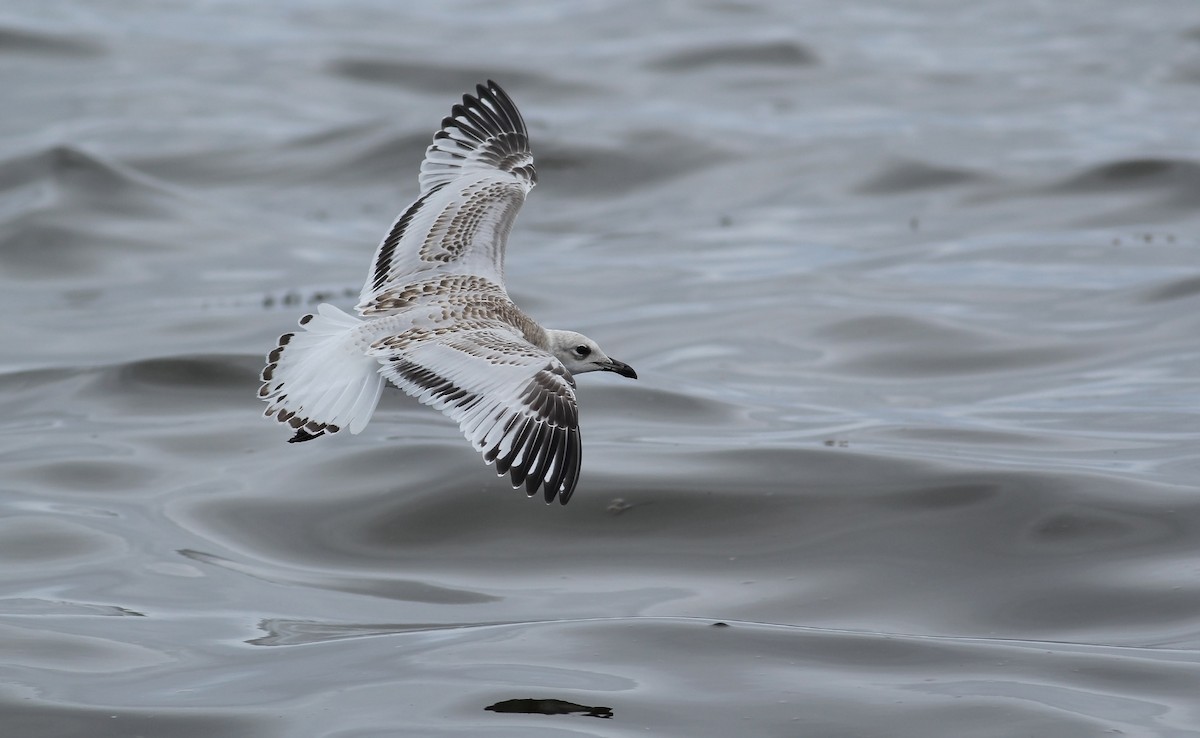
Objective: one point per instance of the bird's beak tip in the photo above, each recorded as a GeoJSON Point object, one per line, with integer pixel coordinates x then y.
{"type": "Point", "coordinates": [623, 369]}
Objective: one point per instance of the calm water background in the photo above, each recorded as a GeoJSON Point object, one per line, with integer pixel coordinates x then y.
{"type": "Point", "coordinates": [913, 289]}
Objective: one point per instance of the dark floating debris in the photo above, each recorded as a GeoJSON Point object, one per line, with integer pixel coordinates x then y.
{"type": "Point", "coordinates": [292, 298]}
{"type": "Point", "coordinates": [549, 707]}
{"type": "Point", "coordinates": [719, 624]}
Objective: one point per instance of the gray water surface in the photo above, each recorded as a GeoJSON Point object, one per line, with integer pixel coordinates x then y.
{"type": "Point", "coordinates": [912, 289]}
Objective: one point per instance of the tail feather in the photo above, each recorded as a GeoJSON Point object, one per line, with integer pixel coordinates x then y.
{"type": "Point", "coordinates": [320, 380]}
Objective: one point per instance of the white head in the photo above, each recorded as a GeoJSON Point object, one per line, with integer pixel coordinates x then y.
{"type": "Point", "coordinates": [580, 354]}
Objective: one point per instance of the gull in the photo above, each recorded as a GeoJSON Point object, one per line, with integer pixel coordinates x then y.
{"type": "Point", "coordinates": [436, 321]}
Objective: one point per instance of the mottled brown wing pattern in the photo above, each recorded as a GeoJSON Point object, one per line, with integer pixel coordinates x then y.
{"type": "Point", "coordinates": [474, 179]}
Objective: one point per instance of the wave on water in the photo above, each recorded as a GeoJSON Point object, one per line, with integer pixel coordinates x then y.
{"type": "Point", "coordinates": [15, 40]}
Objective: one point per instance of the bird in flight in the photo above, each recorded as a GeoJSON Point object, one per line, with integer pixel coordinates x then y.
{"type": "Point", "coordinates": [436, 320]}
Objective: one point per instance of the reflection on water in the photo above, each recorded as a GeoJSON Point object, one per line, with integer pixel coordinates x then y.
{"type": "Point", "coordinates": [913, 297]}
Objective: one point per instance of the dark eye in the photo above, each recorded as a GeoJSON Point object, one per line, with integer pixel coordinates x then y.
{"type": "Point", "coordinates": [582, 351]}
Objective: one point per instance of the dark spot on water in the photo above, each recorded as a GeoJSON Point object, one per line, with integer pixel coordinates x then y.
{"type": "Point", "coordinates": [539, 706]}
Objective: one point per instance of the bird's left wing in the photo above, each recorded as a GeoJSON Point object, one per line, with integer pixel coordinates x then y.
{"type": "Point", "coordinates": [513, 401]}
{"type": "Point", "coordinates": [474, 179]}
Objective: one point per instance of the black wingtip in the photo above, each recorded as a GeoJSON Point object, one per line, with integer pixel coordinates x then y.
{"type": "Point", "coordinates": [302, 435]}
{"type": "Point", "coordinates": [504, 105]}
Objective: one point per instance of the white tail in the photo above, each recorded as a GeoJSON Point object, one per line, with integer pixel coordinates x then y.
{"type": "Point", "coordinates": [320, 380]}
